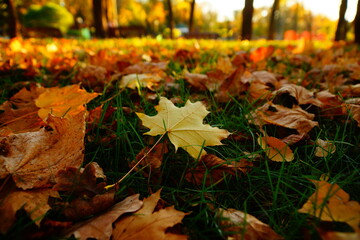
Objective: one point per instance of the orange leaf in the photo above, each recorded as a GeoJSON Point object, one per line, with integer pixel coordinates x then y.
{"type": "Point", "coordinates": [275, 149]}
{"type": "Point", "coordinates": [60, 102]}
{"type": "Point", "coordinates": [330, 203]}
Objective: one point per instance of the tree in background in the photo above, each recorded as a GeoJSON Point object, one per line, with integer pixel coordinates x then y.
{"type": "Point", "coordinates": [100, 23]}
{"type": "Point", "coordinates": [341, 29]}
{"type": "Point", "coordinates": [246, 28]}
{"type": "Point", "coordinates": [273, 16]}
{"type": "Point", "coordinates": [13, 26]}
{"type": "Point", "coordinates": [191, 18]}
{"type": "Point", "coordinates": [357, 24]}
{"type": "Point", "coordinates": [170, 18]}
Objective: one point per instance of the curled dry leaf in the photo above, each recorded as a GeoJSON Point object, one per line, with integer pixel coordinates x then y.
{"type": "Point", "coordinates": [184, 126]}
{"type": "Point", "coordinates": [80, 181]}
{"type": "Point", "coordinates": [330, 203]}
{"type": "Point", "coordinates": [238, 225]}
{"type": "Point", "coordinates": [330, 104]}
{"type": "Point", "coordinates": [34, 202]}
{"type": "Point", "coordinates": [60, 102]}
{"type": "Point", "coordinates": [33, 158]}
{"type": "Point", "coordinates": [293, 118]}
{"type": "Point", "coordinates": [275, 149]}
{"type": "Point", "coordinates": [324, 148]}
{"type": "Point", "coordinates": [291, 93]}
{"type": "Point", "coordinates": [19, 113]}
{"type": "Point", "coordinates": [100, 227]}
{"type": "Point", "coordinates": [147, 224]}
{"type": "Point", "coordinates": [352, 106]}
{"type": "Point", "coordinates": [152, 161]}
{"type": "Point", "coordinates": [214, 169]}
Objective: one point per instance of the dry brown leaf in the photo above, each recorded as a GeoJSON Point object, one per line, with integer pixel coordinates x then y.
{"type": "Point", "coordinates": [214, 169]}
{"type": "Point", "coordinates": [237, 225]}
{"type": "Point", "coordinates": [275, 149]}
{"type": "Point", "coordinates": [20, 112]}
{"type": "Point", "coordinates": [147, 224]}
{"type": "Point", "coordinates": [63, 102]}
{"type": "Point", "coordinates": [146, 67]}
{"type": "Point", "coordinates": [153, 160]}
{"type": "Point", "coordinates": [33, 158]}
{"type": "Point", "coordinates": [291, 93]}
{"type": "Point", "coordinates": [330, 203]}
{"type": "Point", "coordinates": [339, 235]}
{"type": "Point", "coordinates": [232, 85]}
{"type": "Point", "coordinates": [100, 227]}
{"type": "Point", "coordinates": [324, 148]}
{"type": "Point", "coordinates": [184, 126]}
{"type": "Point", "coordinates": [197, 80]}
{"type": "Point", "coordinates": [34, 202]}
{"type": "Point", "coordinates": [352, 106]}
{"type": "Point", "coordinates": [80, 181]}
{"type": "Point", "coordinates": [293, 118]}
{"type": "Point", "coordinates": [330, 104]}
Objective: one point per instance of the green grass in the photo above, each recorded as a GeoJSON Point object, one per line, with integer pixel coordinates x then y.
{"type": "Point", "coordinates": [271, 191]}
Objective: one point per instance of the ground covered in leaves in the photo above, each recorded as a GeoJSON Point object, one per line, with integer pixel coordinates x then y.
{"type": "Point", "coordinates": [185, 139]}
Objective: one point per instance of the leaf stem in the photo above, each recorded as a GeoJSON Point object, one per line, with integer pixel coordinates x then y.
{"type": "Point", "coordinates": [132, 169]}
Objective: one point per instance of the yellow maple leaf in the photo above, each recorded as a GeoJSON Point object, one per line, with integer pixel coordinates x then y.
{"type": "Point", "coordinates": [64, 101]}
{"type": "Point", "coordinates": [184, 126]}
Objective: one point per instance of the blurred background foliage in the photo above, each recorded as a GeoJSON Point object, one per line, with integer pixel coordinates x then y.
{"type": "Point", "coordinates": [168, 17]}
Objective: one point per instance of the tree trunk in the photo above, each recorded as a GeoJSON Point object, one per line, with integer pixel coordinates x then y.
{"type": "Point", "coordinates": [357, 24]}
{"type": "Point", "coordinates": [12, 19]}
{"type": "Point", "coordinates": [99, 18]}
{"type": "Point", "coordinates": [274, 11]}
{"type": "Point", "coordinates": [248, 11]}
{"type": "Point", "coordinates": [340, 33]}
{"type": "Point", "coordinates": [171, 19]}
{"type": "Point", "coordinates": [191, 19]}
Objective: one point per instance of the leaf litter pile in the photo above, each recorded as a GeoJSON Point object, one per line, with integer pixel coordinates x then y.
{"type": "Point", "coordinates": [140, 139]}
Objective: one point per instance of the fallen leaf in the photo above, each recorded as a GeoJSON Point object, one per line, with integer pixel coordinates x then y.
{"type": "Point", "coordinates": [339, 235]}
{"type": "Point", "coordinates": [33, 158]}
{"type": "Point", "coordinates": [293, 118]}
{"type": "Point", "coordinates": [19, 113]}
{"type": "Point", "coordinates": [63, 102]}
{"type": "Point", "coordinates": [261, 53]}
{"type": "Point", "coordinates": [100, 227]}
{"type": "Point", "coordinates": [298, 95]}
{"type": "Point", "coordinates": [324, 148]}
{"type": "Point", "coordinates": [80, 181]}
{"type": "Point", "coordinates": [147, 224]}
{"type": "Point", "coordinates": [184, 126]}
{"type": "Point", "coordinates": [238, 225]}
{"type": "Point", "coordinates": [152, 162]}
{"type": "Point", "coordinates": [146, 67]}
{"type": "Point", "coordinates": [34, 202]}
{"type": "Point", "coordinates": [140, 80]}
{"type": "Point", "coordinates": [214, 169]}
{"type": "Point", "coordinates": [275, 149]}
{"type": "Point", "coordinates": [330, 203]}
{"type": "Point", "coordinates": [352, 106]}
